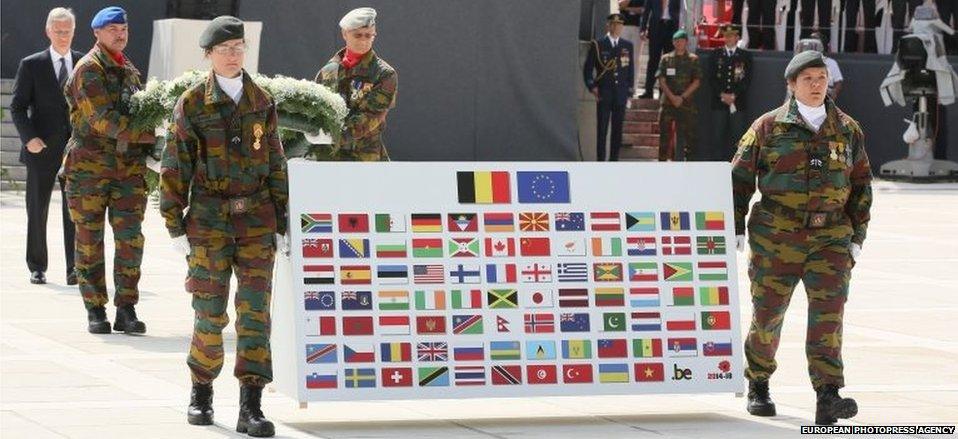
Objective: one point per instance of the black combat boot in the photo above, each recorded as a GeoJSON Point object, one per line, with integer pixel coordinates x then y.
{"type": "Point", "coordinates": [251, 419]}
{"type": "Point", "coordinates": [831, 407]}
{"type": "Point", "coordinates": [759, 401]}
{"type": "Point", "coordinates": [96, 320]}
{"type": "Point", "coordinates": [126, 321]}
{"type": "Point", "coordinates": [200, 411]}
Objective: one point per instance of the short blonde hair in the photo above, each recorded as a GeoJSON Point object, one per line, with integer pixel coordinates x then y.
{"type": "Point", "coordinates": [60, 14]}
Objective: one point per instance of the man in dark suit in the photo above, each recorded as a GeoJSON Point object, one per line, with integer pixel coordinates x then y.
{"type": "Point", "coordinates": [608, 72]}
{"type": "Point", "coordinates": [659, 22]}
{"type": "Point", "coordinates": [729, 73]}
{"type": "Point", "coordinates": [40, 113]}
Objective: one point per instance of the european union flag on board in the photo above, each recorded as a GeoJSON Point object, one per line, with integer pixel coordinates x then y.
{"type": "Point", "coordinates": [543, 187]}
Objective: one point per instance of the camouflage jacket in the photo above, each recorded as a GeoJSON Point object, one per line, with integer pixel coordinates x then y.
{"type": "Point", "coordinates": [369, 89]}
{"type": "Point", "coordinates": [99, 94]}
{"type": "Point", "coordinates": [679, 71]}
{"type": "Point", "coordinates": [225, 163]}
{"type": "Point", "coordinates": [802, 170]}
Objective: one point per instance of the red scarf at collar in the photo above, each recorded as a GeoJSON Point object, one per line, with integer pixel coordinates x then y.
{"type": "Point", "coordinates": [350, 59]}
{"type": "Point", "coordinates": [118, 57]}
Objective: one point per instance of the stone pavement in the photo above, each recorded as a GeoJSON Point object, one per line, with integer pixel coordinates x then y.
{"type": "Point", "coordinates": [901, 348]}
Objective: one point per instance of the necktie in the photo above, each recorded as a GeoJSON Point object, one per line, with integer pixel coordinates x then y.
{"type": "Point", "coordinates": [62, 74]}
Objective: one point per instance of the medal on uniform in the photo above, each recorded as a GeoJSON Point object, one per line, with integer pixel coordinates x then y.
{"type": "Point", "coordinates": [832, 146]}
{"type": "Point", "coordinates": [257, 133]}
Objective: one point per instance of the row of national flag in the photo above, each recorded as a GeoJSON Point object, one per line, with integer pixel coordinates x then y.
{"type": "Point", "coordinates": [532, 272]}
{"type": "Point", "coordinates": [509, 298]}
{"type": "Point", "coordinates": [529, 322]}
{"type": "Point", "coordinates": [474, 247]}
{"type": "Point", "coordinates": [496, 222]}
{"type": "Point", "coordinates": [479, 375]}
{"type": "Point", "coordinates": [530, 350]}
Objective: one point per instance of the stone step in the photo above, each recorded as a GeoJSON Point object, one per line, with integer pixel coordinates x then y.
{"type": "Point", "coordinates": [645, 104]}
{"type": "Point", "coordinates": [640, 139]}
{"type": "Point", "coordinates": [639, 153]}
{"type": "Point", "coordinates": [6, 86]}
{"type": "Point", "coordinates": [7, 129]}
{"type": "Point", "coordinates": [10, 159]}
{"type": "Point", "coordinates": [16, 186]}
{"type": "Point", "coordinates": [16, 173]}
{"type": "Point", "coordinates": [640, 128]}
{"type": "Point", "coordinates": [641, 116]}
{"type": "Point", "coordinates": [5, 100]}
{"type": "Point", "coordinates": [10, 145]}
{"type": "Point", "coordinates": [7, 117]}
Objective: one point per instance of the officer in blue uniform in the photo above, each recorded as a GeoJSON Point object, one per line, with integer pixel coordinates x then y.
{"type": "Point", "coordinates": [608, 72]}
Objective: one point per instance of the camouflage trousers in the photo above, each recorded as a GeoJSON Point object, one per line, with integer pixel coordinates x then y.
{"type": "Point", "coordinates": [780, 257]}
{"type": "Point", "coordinates": [212, 261]}
{"type": "Point", "coordinates": [684, 123]}
{"type": "Point", "coordinates": [368, 150]}
{"type": "Point", "coordinates": [100, 184]}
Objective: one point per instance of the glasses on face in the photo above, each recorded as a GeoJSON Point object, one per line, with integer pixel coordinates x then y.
{"type": "Point", "coordinates": [238, 49]}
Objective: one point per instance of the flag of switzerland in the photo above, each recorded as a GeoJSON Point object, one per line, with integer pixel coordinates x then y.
{"type": "Point", "coordinates": [397, 377]}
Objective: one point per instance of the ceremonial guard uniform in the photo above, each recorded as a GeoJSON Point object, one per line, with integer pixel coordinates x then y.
{"type": "Point", "coordinates": [609, 73]}
{"type": "Point", "coordinates": [681, 74]}
{"type": "Point", "coordinates": [730, 71]}
{"type": "Point", "coordinates": [223, 184]}
{"type": "Point", "coordinates": [808, 226]}
{"type": "Point", "coordinates": [369, 86]}
{"type": "Point", "coordinates": [105, 169]}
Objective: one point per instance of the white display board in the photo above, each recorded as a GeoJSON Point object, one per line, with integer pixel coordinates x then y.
{"type": "Point", "coordinates": [451, 280]}
{"type": "Point", "coordinates": [175, 48]}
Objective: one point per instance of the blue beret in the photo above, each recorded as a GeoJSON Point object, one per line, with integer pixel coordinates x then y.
{"type": "Point", "coordinates": [109, 15]}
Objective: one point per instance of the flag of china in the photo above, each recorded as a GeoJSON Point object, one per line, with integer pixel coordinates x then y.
{"type": "Point", "coordinates": [534, 246]}
{"type": "Point", "coordinates": [649, 372]}
{"type": "Point", "coordinates": [541, 374]}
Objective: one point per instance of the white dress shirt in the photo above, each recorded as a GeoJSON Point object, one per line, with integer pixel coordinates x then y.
{"type": "Point", "coordinates": [55, 57]}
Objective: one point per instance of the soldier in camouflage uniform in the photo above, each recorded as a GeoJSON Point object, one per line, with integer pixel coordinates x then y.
{"type": "Point", "coordinates": [679, 75]}
{"type": "Point", "coordinates": [225, 168]}
{"type": "Point", "coordinates": [104, 169]}
{"type": "Point", "coordinates": [809, 162]}
{"type": "Point", "coordinates": [367, 83]}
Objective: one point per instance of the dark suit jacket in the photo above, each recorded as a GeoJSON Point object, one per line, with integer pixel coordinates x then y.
{"type": "Point", "coordinates": [653, 13]}
{"type": "Point", "coordinates": [615, 85]}
{"type": "Point", "coordinates": [729, 75]}
{"type": "Point", "coordinates": [36, 89]}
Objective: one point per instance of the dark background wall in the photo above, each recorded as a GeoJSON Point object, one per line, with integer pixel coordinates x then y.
{"type": "Point", "coordinates": [479, 79]}
{"type": "Point", "coordinates": [859, 98]}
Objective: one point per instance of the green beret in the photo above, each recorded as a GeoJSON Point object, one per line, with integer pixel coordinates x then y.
{"type": "Point", "coordinates": [220, 29]}
{"type": "Point", "coordinates": [679, 34]}
{"type": "Point", "coordinates": [731, 28]}
{"type": "Point", "coordinates": [615, 18]}
{"type": "Point", "coordinates": [802, 61]}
